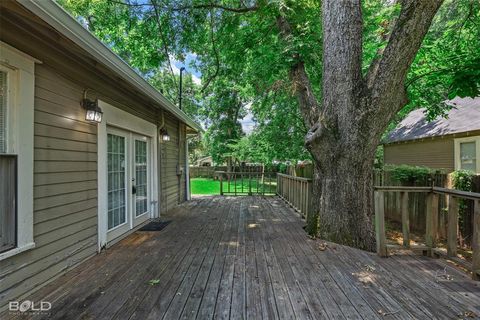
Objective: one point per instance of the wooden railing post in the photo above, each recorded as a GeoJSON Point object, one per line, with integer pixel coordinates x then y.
{"type": "Point", "coordinates": [431, 222]}
{"type": "Point", "coordinates": [249, 185]}
{"type": "Point", "coordinates": [380, 223]}
{"type": "Point", "coordinates": [296, 191]}
{"type": "Point", "coordinates": [452, 230]}
{"type": "Point", "coordinates": [309, 200]}
{"type": "Point", "coordinates": [476, 240]}
{"type": "Point", "coordinates": [278, 185]}
{"type": "Point", "coordinates": [221, 184]}
{"type": "Point", "coordinates": [405, 219]}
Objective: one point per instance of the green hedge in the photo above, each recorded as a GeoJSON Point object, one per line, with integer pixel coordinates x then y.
{"type": "Point", "coordinates": [463, 180]}
{"type": "Point", "coordinates": [409, 174]}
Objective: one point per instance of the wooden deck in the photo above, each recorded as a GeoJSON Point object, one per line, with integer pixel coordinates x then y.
{"type": "Point", "coordinates": [248, 257]}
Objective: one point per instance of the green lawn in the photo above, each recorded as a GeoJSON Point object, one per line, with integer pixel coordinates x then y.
{"type": "Point", "coordinates": [205, 186]}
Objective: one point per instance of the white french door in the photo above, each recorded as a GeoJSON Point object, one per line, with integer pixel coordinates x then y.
{"type": "Point", "coordinates": [128, 180]}
{"type": "Point", "coordinates": [140, 179]}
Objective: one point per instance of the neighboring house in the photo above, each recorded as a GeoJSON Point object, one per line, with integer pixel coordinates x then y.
{"type": "Point", "coordinates": [450, 143]}
{"type": "Point", "coordinates": [70, 187]}
{"type": "Point", "coordinates": [205, 162]}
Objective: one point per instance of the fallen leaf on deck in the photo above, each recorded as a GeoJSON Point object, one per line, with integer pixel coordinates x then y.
{"type": "Point", "coordinates": [469, 314]}
{"type": "Point", "coordinates": [322, 246]}
{"type": "Point", "coordinates": [384, 313]}
{"type": "Point", "coordinates": [369, 268]}
{"type": "Point", "coordinates": [153, 282]}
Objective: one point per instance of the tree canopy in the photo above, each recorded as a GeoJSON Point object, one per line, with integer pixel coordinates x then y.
{"type": "Point", "coordinates": [338, 73]}
{"type": "Point", "coordinates": [245, 62]}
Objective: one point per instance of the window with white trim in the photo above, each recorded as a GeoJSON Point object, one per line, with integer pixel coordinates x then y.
{"type": "Point", "coordinates": [467, 154]}
{"type": "Point", "coordinates": [17, 81]}
{"type": "Point", "coordinates": [8, 172]}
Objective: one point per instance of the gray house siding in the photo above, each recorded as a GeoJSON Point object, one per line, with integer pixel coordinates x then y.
{"type": "Point", "coordinates": [65, 189]}
{"type": "Point", "coordinates": [436, 153]}
{"type": "Point", "coordinates": [65, 153]}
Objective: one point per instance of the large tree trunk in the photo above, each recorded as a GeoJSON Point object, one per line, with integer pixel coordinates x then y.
{"type": "Point", "coordinates": [343, 190]}
{"type": "Point", "coordinates": [342, 143]}
{"type": "Point", "coordinates": [355, 112]}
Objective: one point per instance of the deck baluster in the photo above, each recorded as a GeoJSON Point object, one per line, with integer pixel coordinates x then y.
{"type": "Point", "coordinates": [452, 230]}
{"type": "Point", "coordinates": [405, 219]}
{"type": "Point", "coordinates": [380, 223]}
{"type": "Point", "coordinates": [431, 222]}
{"type": "Point", "coordinates": [476, 241]}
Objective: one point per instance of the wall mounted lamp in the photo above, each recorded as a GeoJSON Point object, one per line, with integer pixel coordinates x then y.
{"type": "Point", "coordinates": [93, 113]}
{"type": "Point", "coordinates": [164, 134]}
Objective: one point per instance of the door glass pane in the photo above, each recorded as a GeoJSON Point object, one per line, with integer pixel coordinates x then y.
{"type": "Point", "coordinates": [3, 112]}
{"type": "Point", "coordinates": [468, 159]}
{"type": "Point", "coordinates": [116, 180]}
{"type": "Point", "coordinates": [141, 197]}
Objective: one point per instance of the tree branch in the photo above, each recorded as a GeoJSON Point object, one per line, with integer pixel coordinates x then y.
{"type": "Point", "coordinates": [128, 4]}
{"type": "Point", "coordinates": [165, 46]}
{"type": "Point", "coordinates": [241, 9]}
{"type": "Point", "coordinates": [439, 70]}
{"type": "Point", "coordinates": [388, 74]}
{"type": "Point", "coordinates": [217, 6]}
{"type": "Point", "coordinates": [215, 52]}
{"type": "Point", "coordinates": [301, 82]}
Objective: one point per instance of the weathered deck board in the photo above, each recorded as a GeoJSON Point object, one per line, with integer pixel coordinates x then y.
{"type": "Point", "coordinates": [249, 258]}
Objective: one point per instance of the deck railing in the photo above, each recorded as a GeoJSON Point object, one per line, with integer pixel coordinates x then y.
{"type": "Point", "coordinates": [432, 203]}
{"type": "Point", "coordinates": [246, 183]}
{"type": "Point", "coordinates": [296, 191]}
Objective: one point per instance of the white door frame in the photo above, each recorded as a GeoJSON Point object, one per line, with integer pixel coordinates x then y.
{"type": "Point", "coordinates": [114, 117]}
{"type": "Point", "coordinates": [136, 220]}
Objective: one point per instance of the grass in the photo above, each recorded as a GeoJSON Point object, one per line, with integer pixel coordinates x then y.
{"type": "Point", "coordinates": [206, 186]}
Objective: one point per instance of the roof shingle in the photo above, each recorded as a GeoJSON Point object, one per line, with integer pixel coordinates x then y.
{"type": "Point", "coordinates": [465, 116]}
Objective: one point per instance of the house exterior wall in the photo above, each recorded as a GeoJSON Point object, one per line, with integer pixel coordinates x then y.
{"type": "Point", "coordinates": [65, 155]}
{"type": "Point", "coordinates": [436, 153]}
{"type": "Point", "coordinates": [172, 184]}
{"type": "Point", "coordinates": [65, 188]}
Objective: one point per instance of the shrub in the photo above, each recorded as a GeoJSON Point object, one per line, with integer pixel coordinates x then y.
{"type": "Point", "coordinates": [409, 174]}
{"type": "Point", "coordinates": [282, 168]}
{"type": "Point", "coordinates": [463, 180]}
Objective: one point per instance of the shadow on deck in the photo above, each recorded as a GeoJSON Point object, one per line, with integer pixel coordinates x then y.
{"type": "Point", "coordinates": [248, 257]}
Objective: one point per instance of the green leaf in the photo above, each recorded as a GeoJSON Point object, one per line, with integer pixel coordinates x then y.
{"type": "Point", "coordinates": [154, 282]}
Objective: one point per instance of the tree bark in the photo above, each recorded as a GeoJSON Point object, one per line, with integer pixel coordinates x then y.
{"type": "Point", "coordinates": [355, 112]}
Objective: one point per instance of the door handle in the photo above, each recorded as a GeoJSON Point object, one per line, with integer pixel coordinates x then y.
{"type": "Point", "coordinates": [134, 189]}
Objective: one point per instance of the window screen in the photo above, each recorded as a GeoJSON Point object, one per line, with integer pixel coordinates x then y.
{"type": "Point", "coordinates": [8, 204]}
{"type": "Point", "coordinates": [468, 159]}
{"type": "Point", "coordinates": [3, 112]}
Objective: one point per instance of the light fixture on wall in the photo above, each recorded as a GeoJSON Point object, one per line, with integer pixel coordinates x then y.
{"type": "Point", "coordinates": [93, 112]}
{"type": "Point", "coordinates": [164, 134]}
{"type": "Point", "coordinates": [162, 131]}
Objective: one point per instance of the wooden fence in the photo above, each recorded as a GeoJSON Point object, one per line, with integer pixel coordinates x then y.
{"type": "Point", "coordinates": [303, 170]}
{"type": "Point", "coordinates": [296, 191]}
{"type": "Point", "coordinates": [416, 202]}
{"type": "Point", "coordinates": [209, 172]}
{"type": "Point", "coordinates": [438, 206]}
{"type": "Point", "coordinates": [246, 183]}
{"type": "Point", "coordinates": [431, 232]}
